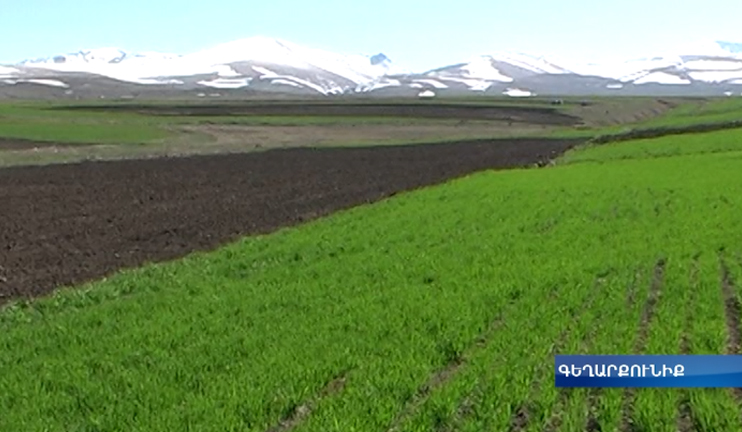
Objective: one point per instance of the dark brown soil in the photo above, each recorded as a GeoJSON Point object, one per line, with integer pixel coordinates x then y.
{"type": "Point", "coordinates": [66, 224]}
{"type": "Point", "coordinates": [520, 419]}
{"type": "Point", "coordinates": [534, 115]}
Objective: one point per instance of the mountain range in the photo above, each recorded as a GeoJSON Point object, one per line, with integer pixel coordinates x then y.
{"type": "Point", "coordinates": [257, 65]}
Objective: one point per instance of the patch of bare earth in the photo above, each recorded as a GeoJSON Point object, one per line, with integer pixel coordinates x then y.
{"type": "Point", "coordinates": [685, 413]}
{"type": "Point", "coordinates": [627, 417]}
{"type": "Point", "coordinates": [303, 411]}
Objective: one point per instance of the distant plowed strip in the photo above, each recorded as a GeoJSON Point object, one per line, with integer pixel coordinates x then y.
{"type": "Point", "coordinates": [524, 114]}
{"type": "Point", "coordinates": [66, 224]}
{"type": "Point", "coordinates": [627, 423]}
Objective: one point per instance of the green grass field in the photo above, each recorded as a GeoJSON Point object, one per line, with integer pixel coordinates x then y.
{"type": "Point", "coordinates": [439, 309]}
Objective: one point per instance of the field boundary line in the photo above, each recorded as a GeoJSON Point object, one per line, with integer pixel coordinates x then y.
{"type": "Point", "coordinates": [659, 132]}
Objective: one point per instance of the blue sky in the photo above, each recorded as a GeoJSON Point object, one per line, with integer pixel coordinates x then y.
{"type": "Point", "coordinates": [416, 35]}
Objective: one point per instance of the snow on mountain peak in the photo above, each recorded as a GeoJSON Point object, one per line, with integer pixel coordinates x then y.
{"type": "Point", "coordinates": [4, 70]}
{"type": "Point", "coordinates": [482, 68]}
{"type": "Point", "coordinates": [135, 67]}
{"type": "Point", "coordinates": [356, 68]}
{"type": "Point", "coordinates": [255, 48]}
{"type": "Point", "coordinates": [536, 64]}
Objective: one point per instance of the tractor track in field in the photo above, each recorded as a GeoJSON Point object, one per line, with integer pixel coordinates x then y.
{"type": "Point", "coordinates": [655, 291]}
{"type": "Point", "coordinates": [303, 411]}
{"type": "Point", "coordinates": [465, 409]}
{"type": "Point", "coordinates": [732, 310]}
{"type": "Point", "coordinates": [444, 375]}
{"type": "Point", "coordinates": [593, 394]}
{"type": "Point", "coordinates": [523, 415]}
{"type": "Point", "coordinates": [631, 292]}
{"type": "Point", "coordinates": [685, 421]}
{"type": "Point", "coordinates": [63, 225]}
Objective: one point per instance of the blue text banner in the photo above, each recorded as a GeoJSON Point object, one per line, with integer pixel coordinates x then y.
{"type": "Point", "coordinates": [648, 371]}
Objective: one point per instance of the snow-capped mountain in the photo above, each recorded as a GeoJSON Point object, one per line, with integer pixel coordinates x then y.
{"type": "Point", "coordinates": [705, 62]}
{"type": "Point", "coordinates": [236, 64]}
{"type": "Point", "coordinates": [261, 64]}
{"type": "Point", "coordinates": [483, 72]}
